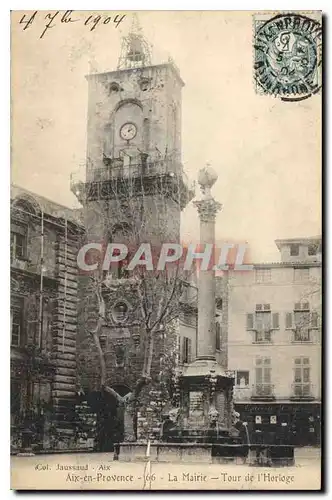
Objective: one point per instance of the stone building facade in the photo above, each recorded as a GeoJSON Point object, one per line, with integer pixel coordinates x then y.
{"type": "Point", "coordinates": [274, 341]}
{"type": "Point", "coordinates": [43, 314]}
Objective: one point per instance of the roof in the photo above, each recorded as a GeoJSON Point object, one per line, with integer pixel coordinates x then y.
{"type": "Point", "coordinates": [311, 240]}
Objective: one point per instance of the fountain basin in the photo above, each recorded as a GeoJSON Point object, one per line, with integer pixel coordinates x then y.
{"type": "Point", "coordinates": [254, 454]}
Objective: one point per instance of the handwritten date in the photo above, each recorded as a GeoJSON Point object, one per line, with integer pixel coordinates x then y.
{"type": "Point", "coordinates": [52, 18]}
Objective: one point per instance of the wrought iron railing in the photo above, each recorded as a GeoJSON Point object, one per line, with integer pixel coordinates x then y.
{"type": "Point", "coordinates": [263, 390]}
{"type": "Point", "coordinates": [301, 334]}
{"type": "Point", "coordinates": [302, 389]}
{"type": "Point", "coordinates": [263, 335]}
{"type": "Point", "coordinates": [119, 169]}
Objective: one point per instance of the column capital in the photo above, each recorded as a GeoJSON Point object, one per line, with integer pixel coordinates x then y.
{"type": "Point", "coordinates": [208, 209]}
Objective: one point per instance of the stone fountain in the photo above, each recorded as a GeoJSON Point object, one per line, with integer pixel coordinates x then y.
{"type": "Point", "coordinates": [203, 427]}
{"type": "Point", "coordinates": [201, 422]}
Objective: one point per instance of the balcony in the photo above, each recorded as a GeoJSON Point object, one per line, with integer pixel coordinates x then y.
{"type": "Point", "coordinates": [93, 183]}
{"type": "Point", "coordinates": [302, 391]}
{"type": "Point", "coordinates": [302, 335]}
{"type": "Point", "coordinates": [263, 336]}
{"type": "Point", "coordinates": [263, 391]}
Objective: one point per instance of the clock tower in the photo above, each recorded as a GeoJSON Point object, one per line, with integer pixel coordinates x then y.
{"type": "Point", "coordinates": [134, 145]}
{"type": "Point", "coordinates": [134, 189]}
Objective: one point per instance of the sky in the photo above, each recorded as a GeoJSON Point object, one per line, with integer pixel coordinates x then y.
{"type": "Point", "coordinates": [267, 152]}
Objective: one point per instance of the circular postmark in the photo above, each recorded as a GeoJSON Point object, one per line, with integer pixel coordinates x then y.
{"type": "Point", "coordinates": [288, 56]}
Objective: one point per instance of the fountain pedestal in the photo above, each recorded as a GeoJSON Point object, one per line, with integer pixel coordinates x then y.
{"type": "Point", "coordinates": [205, 387]}
{"type": "Point", "coordinates": [206, 393]}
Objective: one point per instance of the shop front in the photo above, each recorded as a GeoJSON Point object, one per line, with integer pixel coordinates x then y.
{"type": "Point", "coordinates": [293, 423]}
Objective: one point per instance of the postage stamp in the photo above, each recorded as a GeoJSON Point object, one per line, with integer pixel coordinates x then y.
{"type": "Point", "coordinates": [288, 55]}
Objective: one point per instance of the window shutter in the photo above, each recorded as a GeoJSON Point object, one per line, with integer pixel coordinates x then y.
{"type": "Point", "coordinates": [275, 320]}
{"type": "Point", "coordinates": [184, 345]}
{"type": "Point", "coordinates": [259, 307]}
{"type": "Point", "coordinates": [250, 321]}
{"type": "Point", "coordinates": [189, 350]}
{"type": "Point", "coordinates": [314, 319]}
{"type": "Point", "coordinates": [289, 320]}
{"type": "Point", "coordinates": [306, 375]}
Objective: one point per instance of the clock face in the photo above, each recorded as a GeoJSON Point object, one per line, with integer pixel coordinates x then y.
{"type": "Point", "coordinates": [128, 131]}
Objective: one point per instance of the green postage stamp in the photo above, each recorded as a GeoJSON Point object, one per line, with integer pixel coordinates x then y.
{"type": "Point", "coordinates": [288, 54]}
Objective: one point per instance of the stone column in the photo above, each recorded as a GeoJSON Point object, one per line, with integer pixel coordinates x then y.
{"type": "Point", "coordinates": [207, 209]}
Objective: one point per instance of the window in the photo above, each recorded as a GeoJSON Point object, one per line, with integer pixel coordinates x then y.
{"type": "Point", "coordinates": [263, 322]}
{"type": "Point", "coordinates": [302, 326]}
{"type": "Point", "coordinates": [263, 326]}
{"type": "Point", "coordinates": [263, 386]}
{"type": "Point", "coordinates": [18, 241]}
{"type": "Point", "coordinates": [301, 274]}
{"type": "Point", "coordinates": [312, 250]}
{"type": "Point", "coordinates": [242, 378]}
{"type": "Point", "coordinates": [301, 376]}
{"type": "Point", "coordinates": [186, 350]}
{"type": "Point", "coordinates": [218, 336]}
{"type": "Point", "coordinates": [16, 313]}
{"type": "Point", "coordinates": [263, 307]}
{"type": "Point", "coordinates": [263, 275]}
{"type": "Point", "coordinates": [294, 250]}
{"type": "Point", "coordinates": [302, 321]}
{"type": "Point", "coordinates": [302, 306]}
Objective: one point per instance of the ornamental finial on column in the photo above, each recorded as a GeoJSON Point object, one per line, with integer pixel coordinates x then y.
{"type": "Point", "coordinates": [208, 207]}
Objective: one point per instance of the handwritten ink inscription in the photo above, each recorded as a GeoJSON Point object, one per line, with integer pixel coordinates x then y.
{"type": "Point", "coordinates": [53, 18]}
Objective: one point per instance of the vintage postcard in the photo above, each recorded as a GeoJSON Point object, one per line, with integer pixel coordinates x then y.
{"type": "Point", "coordinates": [166, 250]}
